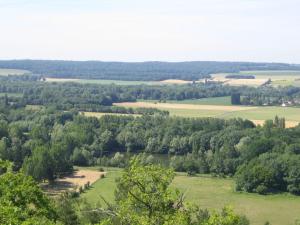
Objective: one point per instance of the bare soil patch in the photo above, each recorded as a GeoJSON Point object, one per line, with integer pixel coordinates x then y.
{"type": "Point", "coordinates": [77, 179]}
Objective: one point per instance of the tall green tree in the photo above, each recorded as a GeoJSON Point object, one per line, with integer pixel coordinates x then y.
{"type": "Point", "coordinates": [40, 165]}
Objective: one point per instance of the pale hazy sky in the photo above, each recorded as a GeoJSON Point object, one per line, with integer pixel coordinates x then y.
{"type": "Point", "coordinates": [141, 30]}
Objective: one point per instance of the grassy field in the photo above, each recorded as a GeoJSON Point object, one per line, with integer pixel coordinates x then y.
{"type": "Point", "coordinates": [215, 193]}
{"type": "Point", "coordinates": [203, 101]}
{"type": "Point", "coordinates": [104, 187]}
{"type": "Point", "coordinates": [6, 72]}
{"type": "Point", "coordinates": [11, 94]}
{"type": "Point", "coordinates": [291, 114]}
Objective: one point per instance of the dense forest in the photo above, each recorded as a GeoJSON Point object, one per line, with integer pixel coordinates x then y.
{"type": "Point", "coordinates": [147, 71]}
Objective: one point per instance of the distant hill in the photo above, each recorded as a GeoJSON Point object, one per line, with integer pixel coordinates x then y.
{"type": "Point", "coordinates": [137, 71]}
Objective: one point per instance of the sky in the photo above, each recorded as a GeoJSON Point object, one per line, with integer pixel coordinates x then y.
{"type": "Point", "coordinates": [151, 30]}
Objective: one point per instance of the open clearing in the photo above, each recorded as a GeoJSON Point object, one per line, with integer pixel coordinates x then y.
{"type": "Point", "coordinates": [215, 193]}
{"type": "Point", "coordinates": [76, 180]}
{"type": "Point", "coordinates": [256, 114]}
{"type": "Point", "coordinates": [7, 72]}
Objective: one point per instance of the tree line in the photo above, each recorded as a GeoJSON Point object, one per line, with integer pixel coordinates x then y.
{"type": "Point", "coordinates": [137, 71]}
{"type": "Point", "coordinates": [99, 98]}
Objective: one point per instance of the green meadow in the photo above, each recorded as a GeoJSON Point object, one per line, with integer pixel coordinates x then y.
{"type": "Point", "coordinates": [226, 100]}
{"type": "Point", "coordinates": [253, 113]}
{"type": "Point", "coordinates": [259, 113]}
{"type": "Point", "coordinates": [214, 193]}
{"type": "Point", "coordinates": [11, 94]}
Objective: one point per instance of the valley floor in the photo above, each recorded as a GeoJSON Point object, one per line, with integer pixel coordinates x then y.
{"type": "Point", "coordinates": [215, 193]}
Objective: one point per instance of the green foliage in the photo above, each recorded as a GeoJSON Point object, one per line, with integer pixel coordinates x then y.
{"type": "Point", "coordinates": [5, 166]}
{"type": "Point", "coordinates": [226, 217]}
{"type": "Point", "coordinates": [144, 195]}
{"type": "Point", "coordinates": [39, 165]}
{"type": "Point", "coordinates": [235, 99]}
{"type": "Point", "coordinates": [23, 202]}
{"type": "Point", "coordinates": [270, 172]}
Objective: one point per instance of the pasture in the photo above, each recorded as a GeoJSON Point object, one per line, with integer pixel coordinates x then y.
{"type": "Point", "coordinates": [214, 193]}
{"type": "Point", "coordinates": [256, 114]}
{"type": "Point", "coordinates": [202, 101]}
{"type": "Point", "coordinates": [7, 72]}
{"type": "Point", "coordinates": [17, 95]}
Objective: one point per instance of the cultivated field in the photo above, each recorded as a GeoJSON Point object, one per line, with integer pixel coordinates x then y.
{"type": "Point", "coordinates": [239, 82]}
{"type": "Point", "coordinates": [7, 72]}
{"type": "Point", "coordinates": [257, 114]}
{"type": "Point", "coordinates": [183, 106]}
{"type": "Point", "coordinates": [74, 181]}
{"type": "Point", "coordinates": [278, 78]}
{"type": "Point", "coordinates": [215, 193]}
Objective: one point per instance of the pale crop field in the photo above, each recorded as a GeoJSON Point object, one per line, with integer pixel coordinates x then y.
{"type": "Point", "coordinates": [158, 105]}
{"type": "Point", "coordinates": [257, 114]}
{"type": "Point", "coordinates": [175, 81]}
{"type": "Point", "coordinates": [100, 114]}
{"type": "Point", "coordinates": [278, 78]}
{"type": "Point", "coordinates": [7, 72]}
